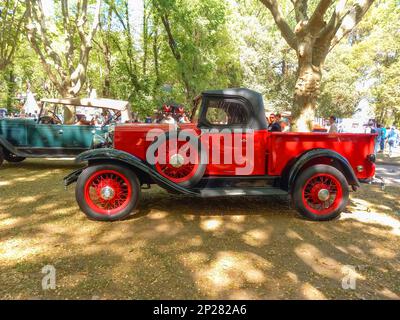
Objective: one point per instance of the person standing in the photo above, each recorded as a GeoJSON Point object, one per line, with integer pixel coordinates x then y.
{"type": "Point", "coordinates": [383, 138]}
{"type": "Point", "coordinates": [332, 123]}
{"type": "Point", "coordinates": [392, 139]}
{"type": "Point", "coordinates": [274, 125]}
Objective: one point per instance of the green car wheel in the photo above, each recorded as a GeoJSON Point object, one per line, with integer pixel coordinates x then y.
{"type": "Point", "coordinates": [1, 156]}
{"type": "Point", "coordinates": [11, 157]}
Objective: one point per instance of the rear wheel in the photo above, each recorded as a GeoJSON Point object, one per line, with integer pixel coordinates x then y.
{"type": "Point", "coordinates": [320, 193]}
{"type": "Point", "coordinates": [107, 192]}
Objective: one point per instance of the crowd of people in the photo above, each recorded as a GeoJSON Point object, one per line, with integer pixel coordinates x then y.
{"type": "Point", "coordinates": [170, 114]}
{"type": "Point", "coordinates": [387, 137]}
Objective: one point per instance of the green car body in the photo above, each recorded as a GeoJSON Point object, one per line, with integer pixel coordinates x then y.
{"type": "Point", "coordinates": [22, 138]}
{"type": "Point", "coordinates": [30, 138]}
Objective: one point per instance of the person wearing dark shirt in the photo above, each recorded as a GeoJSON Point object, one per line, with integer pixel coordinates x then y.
{"type": "Point", "coordinates": [275, 125]}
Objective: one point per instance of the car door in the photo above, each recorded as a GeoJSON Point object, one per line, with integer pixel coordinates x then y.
{"type": "Point", "coordinates": [230, 142]}
{"type": "Point", "coordinates": [14, 131]}
{"type": "Point", "coordinates": [78, 138]}
{"type": "Point", "coordinates": [45, 138]}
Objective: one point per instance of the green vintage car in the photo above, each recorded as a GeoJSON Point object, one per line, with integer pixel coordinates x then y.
{"type": "Point", "coordinates": [60, 129]}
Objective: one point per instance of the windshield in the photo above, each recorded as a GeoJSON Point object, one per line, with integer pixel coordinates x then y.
{"type": "Point", "coordinates": [70, 115]}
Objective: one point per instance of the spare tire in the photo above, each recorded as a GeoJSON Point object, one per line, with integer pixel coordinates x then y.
{"type": "Point", "coordinates": [180, 157]}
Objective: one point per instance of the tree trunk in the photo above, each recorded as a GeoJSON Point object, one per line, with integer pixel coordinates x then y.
{"type": "Point", "coordinates": [67, 78]}
{"type": "Point", "coordinates": [10, 88]}
{"type": "Point", "coordinates": [307, 90]}
{"type": "Point", "coordinates": [156, 62]}
{"type": "Point", "coordinates": [107, 56]}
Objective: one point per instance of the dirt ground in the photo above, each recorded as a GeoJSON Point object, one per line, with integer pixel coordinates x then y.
{"type": "Point", "coordinates": [179, 247]}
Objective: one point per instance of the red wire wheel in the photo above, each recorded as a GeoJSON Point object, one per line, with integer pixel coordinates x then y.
{"type": "Point", "coordinates": [175, 161]}
{"type": "Point", "coordinates": [320, 192]}
{"type": "Point", "coordinates": [180, 161]}
{"type": "Point", "coordinates": [107, 191]}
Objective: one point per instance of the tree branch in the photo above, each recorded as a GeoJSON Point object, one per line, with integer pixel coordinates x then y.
{"type": "Point", "coordinates": [171, 40]}
{"type": "Point", "coordinates": [300, 9]}
{"type": "Point", "coordinates": [317, 18]}
{"type": "Point", "coordinates": [348, 22]}
{"type": "Point", "coordinates": [283, 26]}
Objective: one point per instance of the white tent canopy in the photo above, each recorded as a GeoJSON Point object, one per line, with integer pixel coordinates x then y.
{"type": "Point", "coordinates": [30, 105]}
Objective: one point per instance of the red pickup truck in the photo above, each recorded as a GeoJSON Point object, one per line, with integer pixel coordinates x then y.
{"type": "Point", "coordinates": [226, 150]}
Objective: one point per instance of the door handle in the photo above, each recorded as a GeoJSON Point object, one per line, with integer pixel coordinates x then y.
{"type": "Point", "coordinates": [60, 131]}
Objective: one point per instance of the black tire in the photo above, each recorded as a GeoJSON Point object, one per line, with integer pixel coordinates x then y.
{"type": "Point", "coordinates": [333, 210]}
{"type": "Point", "coordinates": [198, 175]}
{"type": "Point", "coordinates": [132, 201]}
{"type": "Point", "coordinates": [11, 157]}
{"type": "Point", "coordinates": [1, 156]}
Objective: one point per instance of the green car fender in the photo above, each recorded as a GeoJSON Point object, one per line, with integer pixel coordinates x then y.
{"type": "Point", "coordinates": [4, 144]}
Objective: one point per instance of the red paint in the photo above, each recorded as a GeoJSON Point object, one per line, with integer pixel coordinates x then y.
{"type": "Point", "coordinates": [272, 151]}
{"type": "Point", "coordinates": [315, 184]}
{"type": "Point", "coordinates": [107, 178]}
{"type": "Point", "coordinates": [283, 147]}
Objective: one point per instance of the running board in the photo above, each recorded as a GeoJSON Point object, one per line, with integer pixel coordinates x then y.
{"type": "Point", "coordinates": [223, 192]}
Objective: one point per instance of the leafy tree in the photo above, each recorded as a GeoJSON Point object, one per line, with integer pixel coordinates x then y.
{"type": "Point", "coordinates": [12, 15]}
{"type": "Point", "coordinates": [198, 40]}
{"type": "Point", "coordinates": [65, 58]}
{"type": "Point", "coordinates": [312, 38]}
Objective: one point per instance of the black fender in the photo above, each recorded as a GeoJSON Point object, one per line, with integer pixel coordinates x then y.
{"type": "Point", "coordinates": [8, 146]}
{"type": "Point", "coordinates": [294, 167]}
{"type": "Point", "coordinates": [107, 155]}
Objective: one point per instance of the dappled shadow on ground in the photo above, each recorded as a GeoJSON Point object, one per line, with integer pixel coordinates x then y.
{"type": "Point", "coordinates": [184, 247]}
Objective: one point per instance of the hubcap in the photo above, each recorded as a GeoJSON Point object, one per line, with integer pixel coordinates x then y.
{"type": "Point", "coordinates": [107, 193]}
{"type": "Point", "coordinates": [323, 194]}
{"type": "Point", "coordinates": [176, 160]}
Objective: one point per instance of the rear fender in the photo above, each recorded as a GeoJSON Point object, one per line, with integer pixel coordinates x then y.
{"type": "Point", "coordinates": [334, 159]}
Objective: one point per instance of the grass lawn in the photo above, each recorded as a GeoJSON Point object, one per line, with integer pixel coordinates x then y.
{"type": "Point", "coordinates": [189, 248]}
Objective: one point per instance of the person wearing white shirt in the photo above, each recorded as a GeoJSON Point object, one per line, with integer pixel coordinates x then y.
{"type": "Point", "coordinates": [333, 127]}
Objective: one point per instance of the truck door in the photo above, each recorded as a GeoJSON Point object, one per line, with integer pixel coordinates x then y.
{"type": "Point", "coordinates": [231, 142]}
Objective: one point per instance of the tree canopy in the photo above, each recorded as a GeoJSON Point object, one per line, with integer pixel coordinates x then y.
{"type": "Point", "coordinates": [151, 52]}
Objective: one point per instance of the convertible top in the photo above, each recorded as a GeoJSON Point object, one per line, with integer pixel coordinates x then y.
{"type": "Point", "coordinates": [94, 103]}
{"type": "Point", "coordinates": [254, 104]}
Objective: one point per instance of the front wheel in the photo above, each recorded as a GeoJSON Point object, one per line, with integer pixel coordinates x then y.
{"type": "Point", "coordinates": [107, 192]}
{"type": "Point", "coordinates": [11, 157]}
{"type": "Point", "coordinates": [1, 156]}
{"type": "Point", "coordinates": [320, 193]}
